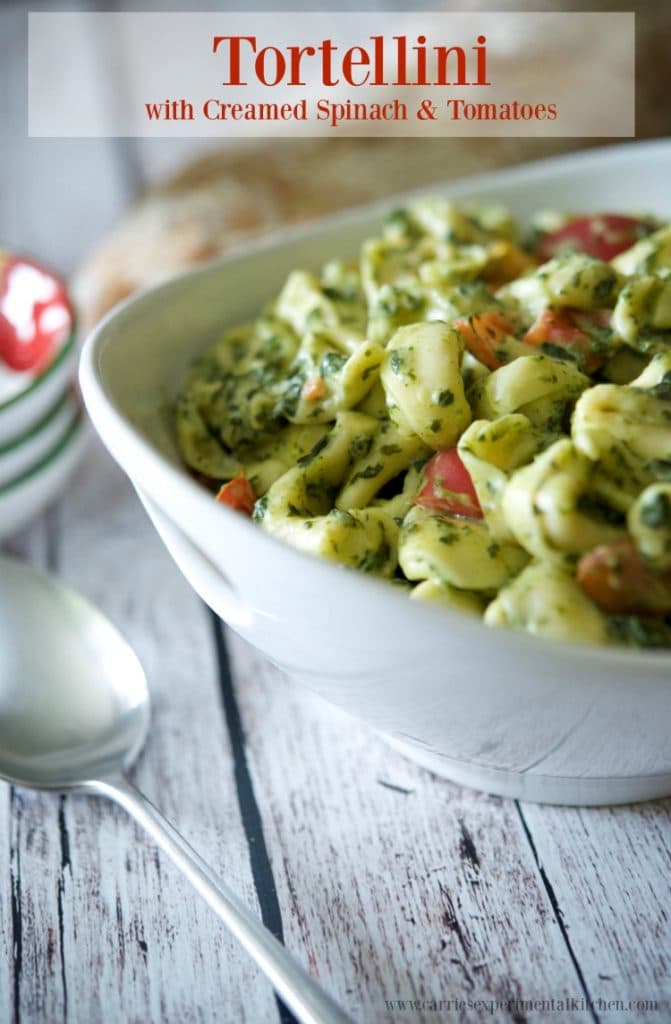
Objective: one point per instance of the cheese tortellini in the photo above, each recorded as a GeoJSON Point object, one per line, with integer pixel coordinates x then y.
{"type": "Point", "coordinates": [481, 417]}
{"type": "Point", "coordinates": [421, 377]}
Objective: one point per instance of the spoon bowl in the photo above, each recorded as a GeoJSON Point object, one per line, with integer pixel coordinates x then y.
{"type": "Point", "coordinates": [74, 701]}
{"type": "Point", "coordinates": [74, 714]}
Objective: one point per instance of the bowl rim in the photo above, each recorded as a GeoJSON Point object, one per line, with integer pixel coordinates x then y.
{"type": "Point", "coordinates": [150, 462]}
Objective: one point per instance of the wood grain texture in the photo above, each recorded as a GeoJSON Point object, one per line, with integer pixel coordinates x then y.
{"type": "Point", "coordinates": [7, 904]}
{"type": "Point", "coordinates": [393, 885]}
{"type": "Point", "coordinates": [609, 869]}
{"type": "Point", "coordinates": [109, 931]}
{"type": "Point", "coordinates": [32, 928]}
{"type": "Point", "coordinates": [153, 950]}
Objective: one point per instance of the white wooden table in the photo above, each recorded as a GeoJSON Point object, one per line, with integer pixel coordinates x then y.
{"type": "Point", "coordinates": [409, 898]}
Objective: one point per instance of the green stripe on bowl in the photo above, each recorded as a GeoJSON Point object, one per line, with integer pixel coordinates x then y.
{"type": "Point", "coordinates": [63, 353]}
{"type": "Point", "coordinates": [51, 456]}
{"type": "Point", "coordinates": [68, 396]}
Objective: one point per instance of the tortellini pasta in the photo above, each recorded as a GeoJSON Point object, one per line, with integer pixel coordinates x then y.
{"type": "Point", "coordinates": [491, 450]}
{"type": "Point", "coordinates": [549, 507]}
{"type": "Point", "coordinates": [649, 522]}
{"type": "Point", "coordinates": [421, 377]}
{"type": "Point", "coordinates": [460, 552]}
{"type": "Point", "coordinates": [540, 387]}
{"type": "Point", "coordinates": [481, 418]}
{"type": "Point", "coordinates": [546, 600]}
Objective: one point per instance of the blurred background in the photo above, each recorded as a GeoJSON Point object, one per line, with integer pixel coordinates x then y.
{"type": "Point", "coordinates": [66, 201]}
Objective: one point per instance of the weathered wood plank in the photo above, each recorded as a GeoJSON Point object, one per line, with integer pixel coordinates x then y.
{"type": "Point", "coordinates": [31, 907]}
{"type": "Point", "coordinates": [138, 944]}
{"type": "Point", "coordinates": [37, 989]}
{"type": "Point", "coordinates": [609, 869]}
{"type": "Point", "coordinates": [7, 907]}
{"type": "Point", "coordinates": [392, 884]}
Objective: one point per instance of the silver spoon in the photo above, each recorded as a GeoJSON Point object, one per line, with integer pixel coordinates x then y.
{"type": "Point", "coordinates": [74, 714]}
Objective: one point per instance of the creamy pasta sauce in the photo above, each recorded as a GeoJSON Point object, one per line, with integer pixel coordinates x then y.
{"type": "Point", "coordinates": [481, 418]}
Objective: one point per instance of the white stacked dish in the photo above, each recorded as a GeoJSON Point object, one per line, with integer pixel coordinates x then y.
{"type": "Point", "coordinates": [42, 437]}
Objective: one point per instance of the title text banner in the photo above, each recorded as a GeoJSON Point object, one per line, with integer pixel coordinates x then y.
{"type": "Point", "coordinates": [237, 74]}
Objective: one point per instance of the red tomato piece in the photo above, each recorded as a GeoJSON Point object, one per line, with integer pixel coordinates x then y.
{"type": "Point", "coordinates": [238, 493]}
{"type": "Point", "coordinates": [35, 314]}
{"type": "Point", "coordinates": [617, 579]}
{"type": "Point", "coordinates": [483, 333]}
{"type": "Point", "coordinates": [314, 389]}
{"type": "Point", "coordinates": [602, 236]}
{"type": "Point", "coordinates": [449, 488]}
{"type": "Point", "coordinates": [570, 328]}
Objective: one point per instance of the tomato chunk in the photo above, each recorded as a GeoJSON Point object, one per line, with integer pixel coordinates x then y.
{"type": "Point", "coordinates": [35, 314]}
{"type": "Point", "coordinates": [449, 488]}
{"type": "Point", "coordinates": [314, 389]}
{"type": "Point", "coordinates": [238, 493]}
{"type": "Point", "coordinates": [507, 262]}
{"type": "Point", "coordinates": [483, 334]}
{"type": "Point", "coordinates": [602, 236]}
{"type": "Point", "coordinates": [616, 578]}
{"type": "Point", "coordinates": [571, 328]}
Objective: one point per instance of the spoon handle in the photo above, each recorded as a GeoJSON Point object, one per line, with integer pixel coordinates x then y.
{"type": "Point", "coordinates": [309, 1003]}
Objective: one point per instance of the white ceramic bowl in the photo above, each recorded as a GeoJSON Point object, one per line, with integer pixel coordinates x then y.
{"type": "Point", "coordinates": [496, 709]}
{"type": "Point", "coordinates": [23, 410]}
{"type": "Point", "coordinates": [20, 455]}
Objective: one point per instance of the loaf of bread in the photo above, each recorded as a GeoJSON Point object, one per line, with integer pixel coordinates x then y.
{"type": "Point", "coordinates": [231, 195]}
